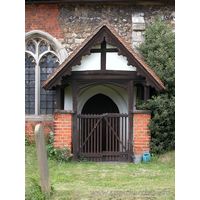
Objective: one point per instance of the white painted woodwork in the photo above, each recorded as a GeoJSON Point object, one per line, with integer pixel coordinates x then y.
{"type": "Point", "coordinates": [108, 46]}
{"type": "Point", "coordinates": [113, 62]}
{"type": "Point", "coordinates": [116, 62]}
{"type": "Point", "coordinates": [96, 47]}
{"type": "Point", "coordinates": [89, 62]}
{"type": "Point", "coordinates": [134, 97]}
{"type": "Point", "coordinates": [68, 98]}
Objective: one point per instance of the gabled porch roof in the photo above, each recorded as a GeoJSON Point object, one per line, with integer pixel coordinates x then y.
{"type": "Point", "coordinates": [107, 32]}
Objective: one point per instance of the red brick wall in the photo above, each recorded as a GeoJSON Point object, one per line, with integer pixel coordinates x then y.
{"type": "Point", "coordinates": [44, 18]}
{"type": "Point", "coordinates": [62, 126]}
{"type": "Point", "coordinates": [45, 124]}
{"type": "Point", "coordinates": [141, 133]}
{"type": "Point", "coordinates": [62, 130]}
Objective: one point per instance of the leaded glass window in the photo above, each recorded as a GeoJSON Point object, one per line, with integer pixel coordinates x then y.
{"type": "Point", "coordinates": [43, 47]}
{"type": "Point", "coordinates": [31, 47]}
{"type": "Point", "coordinates": [41, 58]}
{"type": "Point", "coordinates": [47, 98]}
{"type": "Point", "coordinates": [29, 85]}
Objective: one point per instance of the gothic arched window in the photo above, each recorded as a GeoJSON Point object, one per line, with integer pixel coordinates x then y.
{"type": "Point", "coordinates": [40, 61]}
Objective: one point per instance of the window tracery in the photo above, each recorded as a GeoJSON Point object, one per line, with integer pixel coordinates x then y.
{"type": "Point", "coordinates": [40, 61]}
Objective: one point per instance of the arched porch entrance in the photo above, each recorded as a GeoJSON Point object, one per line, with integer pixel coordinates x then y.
{"type": "Point", "coordinates": [100, 104]}
{"type": "Point", "coordinates": [102, 130]}
{"type": "Point", "coordinates": [103, 59]}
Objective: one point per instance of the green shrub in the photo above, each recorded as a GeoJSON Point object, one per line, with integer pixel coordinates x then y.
{"type": "Point", "coordinates": [82, 159]}
{"type": "Point", "coordinates": [158, 51]}
{"type": "Point", "coordinates": [162, 123]}
{"type": "Point", "coordinates": [27, 140]}
{"type": "Point", "coordinates": [60, 154]}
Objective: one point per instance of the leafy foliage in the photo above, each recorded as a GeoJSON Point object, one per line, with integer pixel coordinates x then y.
{"type": "Point", "coordinates": [27, 140]}
{"type": "Point", "coordinates": [81, 159]}
{"type": "Point", "coordinates": [60, 154]}
{"type": "Point", "coordinates": [158, 51]}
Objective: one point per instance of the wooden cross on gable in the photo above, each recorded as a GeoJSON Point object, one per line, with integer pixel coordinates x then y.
{"type": "Point", "coordinates": [103, 50]}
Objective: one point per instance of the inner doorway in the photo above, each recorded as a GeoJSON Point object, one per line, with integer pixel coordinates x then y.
{"type": "Point", "coordinates": [102, 130]}
{"type": "Point", "coordinates": [99, 104]}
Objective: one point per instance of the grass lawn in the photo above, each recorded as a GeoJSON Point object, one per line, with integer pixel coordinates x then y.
{"type": "Point", "coordinates": [88, 180]}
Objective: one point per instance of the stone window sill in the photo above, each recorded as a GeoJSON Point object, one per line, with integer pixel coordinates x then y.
{"type": "Point", "coordinates": [39, 117]}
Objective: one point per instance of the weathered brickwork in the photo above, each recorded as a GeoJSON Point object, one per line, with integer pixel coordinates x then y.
{"type": "Point", "coordinates": [141, 133]}
{"type": "Point", "coordinates": [30, 125]}
{"type": "Point", "coordinates": [44, 18]}
{"type": "Point", "coordinates": [72, 23]}
{"type": "Point", "coordinates": [62, 130]}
